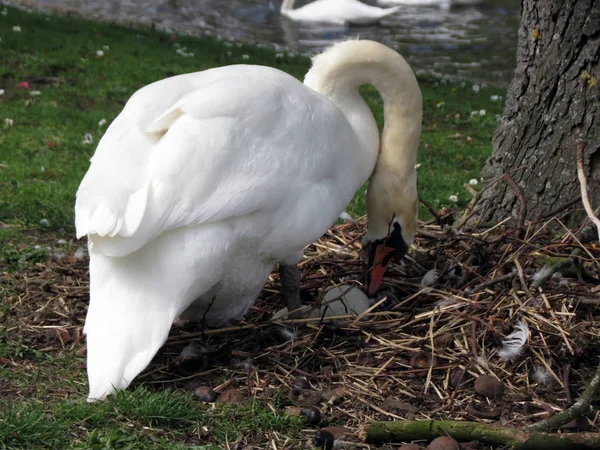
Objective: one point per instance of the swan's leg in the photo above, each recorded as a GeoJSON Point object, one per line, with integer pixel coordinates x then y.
{"type": "Point", "coordinates": [290, 285]}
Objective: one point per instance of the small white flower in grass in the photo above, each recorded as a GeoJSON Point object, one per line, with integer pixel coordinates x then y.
{"type": "Point", "coordinates": [102, 123]}
{"type": "Point", "coordinates": [183, 52]}
{"type": "Point", "coordinates": [4, 12]}
{"type": "Point", "coordinates": [417, 165]}
{"type": "Point", "coordinates": [61, 242]}
{"type": "Point", "coordinates": [453, 198]}
{"type": "Point", "coordinates": [246, 57]}
{"type": "Point", "coordinates": [495, 98]}
{"type": "Point", "coordinates": [474, 113]}
{"type": "Point", "coordinates": [475, 88]}
{"type": "Point", "coordinates": [35, 93]}
{"type": "Point", "coordinates": [440, 104]}
{"type": "Point", "coordinates": [16, 29]}
{"type": "Point", "coordinates": [512, 345]}
{"type": "Point", "coordinates": [45, 223]}
{"type": "Point", "coordinates": [87, 139]}
{"type": "Point", "coordinates": [227, 44]}
{"type": "Point", "coordinates": [482, 112]}
{"type": "Point", "coordinates": [473, 182]}
{"type": "Point", "coordinates": [1, 91]}
{"type": "Point", "coordinates": [99, 53]}
{"type": "Point", "coordinates": [8, 122]}
{"type": "Point", "coordinates": [279, 55]}
{"type": "Point", "coordinates": [79, 253]}
{"type": "Point", "coordinates": [105, 48]}
{"type": "Point", "coordinates": [42, 169]}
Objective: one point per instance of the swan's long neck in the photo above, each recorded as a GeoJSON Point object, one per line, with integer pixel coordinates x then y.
{"type": "Point", "coordinates": [287, 5]}
{"type": "Point", "coordinates": [338, 73]}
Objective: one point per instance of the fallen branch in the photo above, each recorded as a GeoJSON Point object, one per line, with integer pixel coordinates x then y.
{"type": "Point", "coordinates": [549, 270]}
{"type": "Point", "coordinates": [381, 432]}
{"type": "Point", "coordinates": [583, 183]}
{"type": "Point", "coordinates": [581, 406]}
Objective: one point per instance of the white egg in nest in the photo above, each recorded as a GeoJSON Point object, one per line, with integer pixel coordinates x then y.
{"type": "Point", "coordinates": [342, 300]}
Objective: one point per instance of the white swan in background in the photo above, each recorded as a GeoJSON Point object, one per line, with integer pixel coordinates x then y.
{"type": "Point", "coordinates": [443, 4]}
{"type": "Point", "coordinates": [206, 181]}
{"type": "Point", "coordinates": [339, 12]}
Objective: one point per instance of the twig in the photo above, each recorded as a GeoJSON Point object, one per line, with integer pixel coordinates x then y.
{"type": "Point", "coordinates": [520, 196]}
{"type": "Point", "coordinates": [488, 283]}
{"type": "Point", "coordinates": [432, 210]}
{"type": "Point", "coordinates": [549, 271]}
{"type": "Point", "coordinates": [581, 406]}
{"type": "Point", "coordinates": [470, 209]}
{"type": "Point", "coordinates": [583, 182]}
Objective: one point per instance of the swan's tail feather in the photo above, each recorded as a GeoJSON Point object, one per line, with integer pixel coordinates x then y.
{"type": "Point", "coordinates": [126, 325]}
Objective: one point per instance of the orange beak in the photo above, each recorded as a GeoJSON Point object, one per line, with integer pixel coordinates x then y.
{"type": "Point", "coordinates": [380, 263]}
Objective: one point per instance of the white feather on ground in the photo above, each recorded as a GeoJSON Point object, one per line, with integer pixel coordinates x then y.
{"type": "Point", "coordinates": [542, 375]}
{"type": "Point", "coordinates": [512, 345]}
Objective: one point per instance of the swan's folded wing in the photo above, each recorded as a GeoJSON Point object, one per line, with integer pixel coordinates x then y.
{"type": "Point", "coordinates": [232, 146]}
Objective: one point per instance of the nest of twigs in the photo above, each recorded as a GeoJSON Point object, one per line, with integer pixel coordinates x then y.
{"type": "Point", "coordinates": [438, 324]}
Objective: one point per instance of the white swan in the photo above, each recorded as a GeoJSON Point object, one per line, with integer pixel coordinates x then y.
{"type": "Point", "coordinates": [443, 4]}
{"type": "Point", "coordinates": [206, 181]}
{"type": "Point", "coordinates": [339, 12]}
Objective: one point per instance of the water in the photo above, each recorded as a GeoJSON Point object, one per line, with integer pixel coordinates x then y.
{"type": "Point", "coordinates": [475, 42]}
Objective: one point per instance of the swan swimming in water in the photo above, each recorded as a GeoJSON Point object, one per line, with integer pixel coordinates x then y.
{"type": "Point", "coordinates": [206, 181]}
{"type": "Point", "coordinates": [339, 12]}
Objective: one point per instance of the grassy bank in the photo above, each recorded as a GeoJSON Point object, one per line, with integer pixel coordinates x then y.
{"type": "Point", "coordinates": [63, 81]}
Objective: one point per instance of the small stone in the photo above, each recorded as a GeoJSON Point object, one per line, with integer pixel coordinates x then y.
{"type": "Point", "coordinates": [443, 340]}
{"type": "Point", "coordinates": [231, 396]}
{"type": "Point", "coordinates": [397, 407]}
{"type": "Point", "coordinates": [328, 437]}
{"type": "Point", "coordinates": [334, 396]}
{"type": "Point", "coordinates": [422, 360]}
{"type": "Point", "coordinates": [409, 447]}
{"type": "Point", "coordinates": [300, 384]}
{"type": "Point", "coordinates": [205, 394]}
{"type": "Point", "coordinates": [489, 386]}
{"type": "Point", "coordinates": [442, 443]}
{"type": "Point", "coordinates": [311, 414]}
{"type": "Point", "coordinates": [457, 378]}
{"type": "Point", "coordinates": [305, 397]}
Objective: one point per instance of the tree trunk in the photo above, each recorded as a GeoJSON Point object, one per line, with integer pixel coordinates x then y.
{"type": "Point", "coordinates": [553, 100]}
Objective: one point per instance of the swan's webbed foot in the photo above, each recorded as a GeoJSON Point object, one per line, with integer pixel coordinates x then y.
{"type": "Point", "coordinates": [290, 286]}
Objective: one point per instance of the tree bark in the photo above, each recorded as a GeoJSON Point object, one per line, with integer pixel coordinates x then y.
{"type": "Point", "coordinates": [553, 100]}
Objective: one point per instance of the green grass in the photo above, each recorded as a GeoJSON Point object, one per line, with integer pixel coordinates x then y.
{"type": "Point", "coordinates": [42, 160]}
{"type": "Point", "coordinates": [136, 419]}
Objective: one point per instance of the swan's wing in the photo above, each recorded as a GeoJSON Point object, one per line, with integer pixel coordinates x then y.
{"type": "Point", "coordinates": [218, 144]}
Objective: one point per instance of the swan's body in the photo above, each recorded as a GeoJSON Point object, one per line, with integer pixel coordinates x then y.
{"type": "Point", "coordinates": [340, 12]}
{"type": "Point", "coordinates": [206, 181]}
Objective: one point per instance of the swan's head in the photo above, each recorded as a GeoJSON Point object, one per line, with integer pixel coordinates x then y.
{"type": "Point", "coordinates": [392, 213]}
